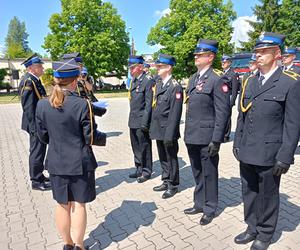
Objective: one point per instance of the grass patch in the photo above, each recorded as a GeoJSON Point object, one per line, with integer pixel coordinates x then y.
{"type": "Point", "coordinates": [111, 94]}
{"type": "Point", "coordinates": [6, 98]}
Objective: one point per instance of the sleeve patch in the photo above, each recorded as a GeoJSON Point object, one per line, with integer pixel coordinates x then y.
{"type": "Point", "coordinates": [225, 88]}
{"type": "Point", "coordinates": [178, 95]}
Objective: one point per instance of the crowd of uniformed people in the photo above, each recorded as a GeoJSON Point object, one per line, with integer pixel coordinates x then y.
{"type": "Point", "coordinates": [265, 140]}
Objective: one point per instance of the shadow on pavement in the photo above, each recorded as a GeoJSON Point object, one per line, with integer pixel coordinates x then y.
{"type": "Point", "coordinates": [101, 163]}
{"type": "Point", "coordinates": [288, 219]}
{"type": "Point", "coordinates": [230, 193]}
{"type": "Point", "coordinates": [121, 223]}
{"type": "Point", "coordinates": [113, 178]}
{"type": "Point", "coordinates": [113, 134]}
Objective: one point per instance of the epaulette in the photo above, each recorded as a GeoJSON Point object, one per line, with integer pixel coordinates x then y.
{"type": "Point", "coordinates": [175, 82]}
{"type": "Point", "coordinates": [291, 74]}
{"type": "Point", "coordinates": [218, 72]}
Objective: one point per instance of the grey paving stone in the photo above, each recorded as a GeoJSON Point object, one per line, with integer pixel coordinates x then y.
{"type": "Point", "coordinates": [126, 214]}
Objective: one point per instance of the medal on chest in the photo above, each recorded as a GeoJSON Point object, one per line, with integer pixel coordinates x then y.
{"type": "Point", "coordinates": [199, 86]}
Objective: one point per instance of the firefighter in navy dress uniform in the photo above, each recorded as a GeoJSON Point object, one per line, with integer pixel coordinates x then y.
{"type": "Point", "coordinates": [288, 57]}
{"type": "Point", "coordinates": [165, 120]}
{"type": "Point", "coordinates": [208, 109]}
{"type": "Point", "coordinates": [253, 67]}
{"type": "Point", "coordinates": [234, 85]}
{"type": "Point", "coordinates": [266, 137]}
{"type": "Point", "coordinates": [140, 98]}
{"type": "Point", "coordinates": [84, 86]}
{"type": "Point", "coordinates": [65, 121]}
{"type": "Point", "coordinates": [31, 91]}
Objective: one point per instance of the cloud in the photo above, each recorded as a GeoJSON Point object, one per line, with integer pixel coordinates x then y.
{"type": "Point", "coordinates": [161, 13]}
{"type": "Point", "coordinates": [156, 47]}
{"type": "Point", "coordinates": [241, 29]}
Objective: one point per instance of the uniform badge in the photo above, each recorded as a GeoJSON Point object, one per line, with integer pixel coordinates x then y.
{"type": "Point", "coordinates": [225, 88]}
{"type": "Point", "coordinates": [262, 35]}
{"type": "Point", "coordinates": [178, 96]}
{"type": "Point", "coordinates": [137, 88]}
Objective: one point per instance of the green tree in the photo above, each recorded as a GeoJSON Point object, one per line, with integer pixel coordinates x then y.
{"type": "Point", "coordinates": [289, 22]}
{"type": "Point", "coordinates": [47, 77]}
{"type": "Point", "coordinates": [16, 40]}
{"type": "Point", "coordinates": [188, 21]}
{"type": "Point", "coordinates": [267, 15]}
{"type": "Point", "coordinates": [3, 73]}
{"type": "Point", "coordinates": [93, 28]}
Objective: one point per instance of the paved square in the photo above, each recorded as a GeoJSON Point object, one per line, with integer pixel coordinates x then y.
{"type": "Point", "coordinates": [126, 214]}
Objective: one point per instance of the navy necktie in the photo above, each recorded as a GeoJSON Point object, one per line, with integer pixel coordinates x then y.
{"type": "Point", "coordinates": [260, 81]}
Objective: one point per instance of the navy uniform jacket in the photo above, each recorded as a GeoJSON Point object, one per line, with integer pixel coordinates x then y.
{"type": "Point", "coordinates": [166, 111]}
{"type": "Point", "coordinates": [70, 131]}
{"type": "Point", "coordinates": [233, 85]}
{"type": "Point", "coordinates": [140, 102]}
{"type": "Point", "coordinates": [270, 129]}
{"type": "Point", "coordinates": [31, 91]}
{"type": "Point", "coordinates": [208, 108]}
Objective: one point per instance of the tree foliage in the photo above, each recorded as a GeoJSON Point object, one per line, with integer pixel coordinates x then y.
{"type": "Point", "coordinates": [3, 73]}
{"type": "Point", "coordinates": [289, 22]}
{"type": "Point", "coordinates": [276, 16]}
{"type": "Point", "coordinates": [93, 28]}
{"type": "Point", "coordinates": [47, 77]}
{"type": "Point", "coordinates": [16, 40]}
{"type": "Point", "coordinates": [189, 20]}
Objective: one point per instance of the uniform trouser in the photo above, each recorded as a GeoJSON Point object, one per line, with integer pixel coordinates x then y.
{"type": "Point", "coordinates": [260, 190]}
{"type": "Point", "coordinates": [205, 172]}
{"type": "Point", "coordinates": [142, 150]}
{"type": "Point", "coordinates": [169, 163]}
{"type": "Point", "coordinates": [228, 126]}
{"type": "Point", "coordinates": [37, 153]}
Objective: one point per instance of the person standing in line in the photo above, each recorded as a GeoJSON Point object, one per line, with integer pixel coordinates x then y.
{"type": "Point", "coordinates": [233, 89]}
{"type": "Point", "coordinates": [140, 98]}
{"type": "Point", "coordinates": [65, 121]}
{"type": "Point", "coordinates": [253, 67]}
{"type": "Point", "coordinates": [208, 110]}
{"type": "Point", "coordinates": [165, 120]}
{"type": "Point", "coordinates": [31, 91]}
{"type": "Point", "coordinates": [288, 57]}
{"type": "Point", "coordinates": [267, 132]}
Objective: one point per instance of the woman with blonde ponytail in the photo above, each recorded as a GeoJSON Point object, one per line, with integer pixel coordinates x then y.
{"type": "Point", "coordinates": [65, 121]}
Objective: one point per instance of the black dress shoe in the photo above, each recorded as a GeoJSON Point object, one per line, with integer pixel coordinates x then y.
{"type": "Point", "coordinates": [260, 245]}
{"type": "Point", "coordinates": [169, 193]}
{"type": "Point", "coordinates": [162, 187]}
{"type": "Point", "coordinates": [42, 186]}
{"type": "Point", "coordinates": [135, 175]}
{"type": "Point", "coordinates": [244, 238]}
{"type": "Point", "coordinates": [68, 247]}
{"type": "Point", "coordinates": [206, 219]}
{"type": "Point", "coordinates": [142, 179]}
{"type": "Point", "coordinates": [193, 210]}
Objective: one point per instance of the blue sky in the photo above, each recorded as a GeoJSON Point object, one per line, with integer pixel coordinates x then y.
{"type": "Point", "coordinates": [140, 15]}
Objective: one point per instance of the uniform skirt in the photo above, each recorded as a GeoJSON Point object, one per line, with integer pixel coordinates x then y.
{"type": "Point", "coordinates": [79, 188]}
